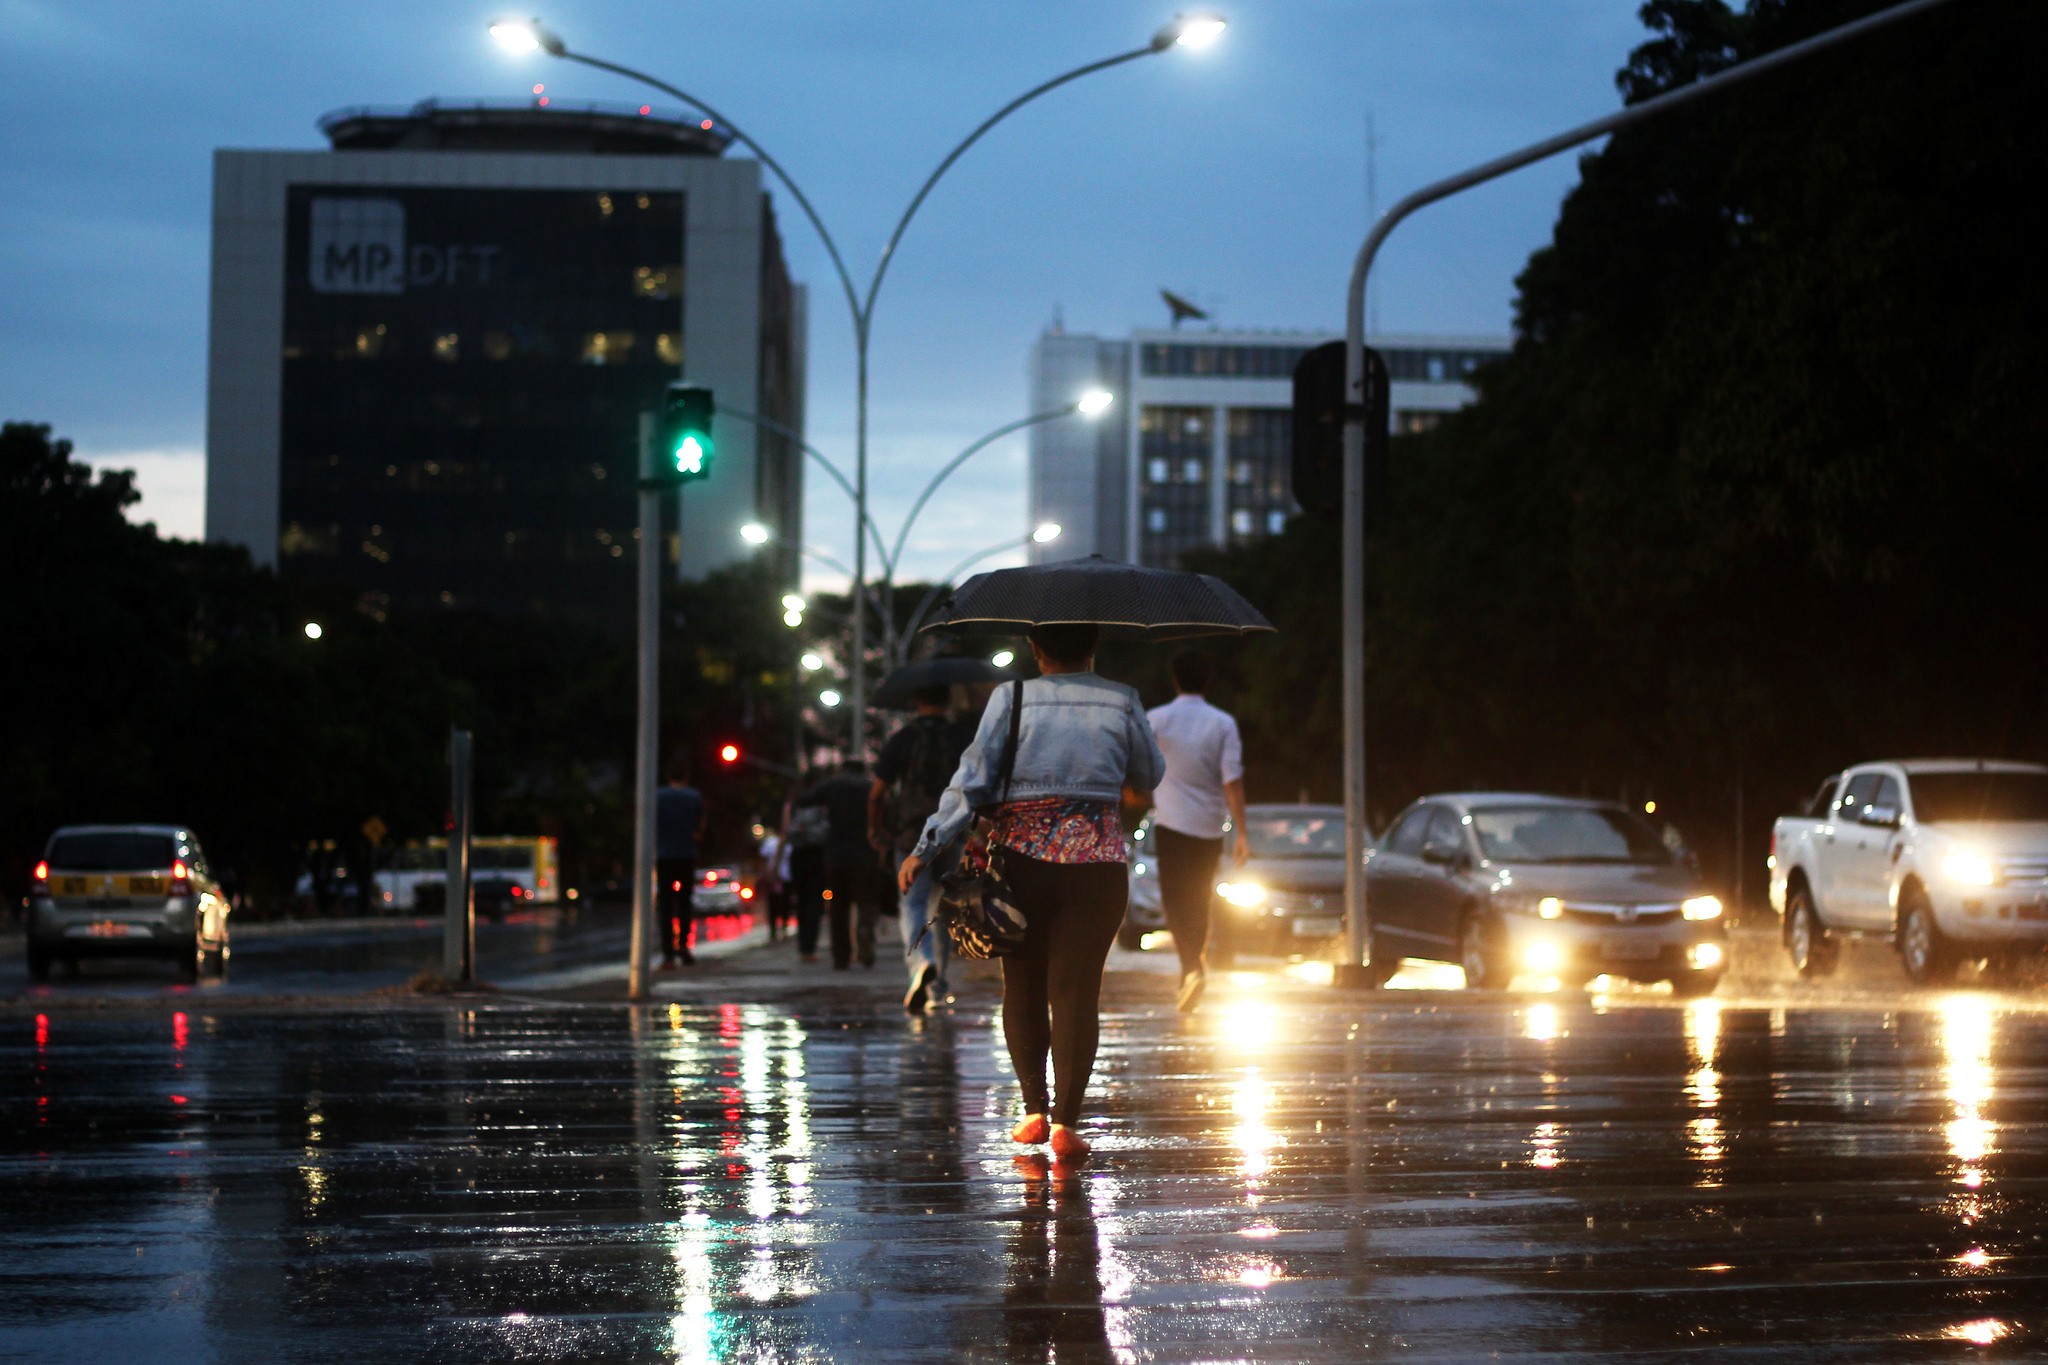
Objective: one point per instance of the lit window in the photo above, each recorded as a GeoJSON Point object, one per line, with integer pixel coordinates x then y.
{"type": "Point", "coordinates": [657, 281]}
{"type": "Point", "coordinates": [1436, 369]}
{"type": "Point", "coordinates": [669, 347]}
{"type": "Point", "coordinates": [1241, 521]}
{"type": "Point", "coordinates": [1155, 520]}
{"type": "Point", "coordinates": [641, 202]}
{"type": "Point", "coordinates": [1191, 471]}
{"type": "Point", "coordinates": [604, 205]}
{"type": "Point", "coordinates": [1241, 472]}
{"type": "Point", "coordinates": [1155, 470]}
{"type": "Point", "coordinates": [607, 348]}
{"type": "Point", "coordinates": [448, 348]}
{"type": "Point", "coordinates": [1276, 522]}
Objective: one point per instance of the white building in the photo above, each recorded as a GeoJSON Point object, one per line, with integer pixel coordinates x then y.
{"type": "Point", "coordinates": [1197, 450]}
{"type": "Point", "coordinates": [430, 347]}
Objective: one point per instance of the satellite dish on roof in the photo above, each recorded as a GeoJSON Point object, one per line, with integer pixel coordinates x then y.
{"type": "Point", "coordinates": [1182, 309]}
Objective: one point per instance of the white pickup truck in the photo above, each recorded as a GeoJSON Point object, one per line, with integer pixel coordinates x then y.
{"type": "Point", "coordinates": [1947, 858]}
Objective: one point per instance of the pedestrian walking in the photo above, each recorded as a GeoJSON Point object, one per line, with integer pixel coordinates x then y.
{"type": "Point", "coordinates": [1058, 842]}
{"type": "Point", "coordinates": [805, 829]}
{"type": "Point", "coordinates": [852, 870]}
{"type": "Point", "coordinates": [1204, 787]}
{"type": "Point", "coordinates": [910, 775]}
{"type": "Point", "coordinates": [773, 882]}
{"type": "Point", "coordinates": [679, 818]}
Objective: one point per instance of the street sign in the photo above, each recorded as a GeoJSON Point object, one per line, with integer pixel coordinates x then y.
{"type": "Point", "coordinates": [374, 830]}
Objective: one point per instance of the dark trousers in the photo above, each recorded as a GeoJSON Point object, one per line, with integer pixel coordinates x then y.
{"type": "Point", "coordinates": [1187, 884]}
{"type": "Point", "coordinates": [807, 893]}
{"type": "Point", "coordinates": [1052, 988]}
{"type": "Point", "coordinates": [852, 884]}
{"type": "Point", "coordinates": [675, 879]}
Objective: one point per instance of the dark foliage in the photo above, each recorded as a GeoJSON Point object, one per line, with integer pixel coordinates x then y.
{"type": "Point", "coordinates": [1758, 491]}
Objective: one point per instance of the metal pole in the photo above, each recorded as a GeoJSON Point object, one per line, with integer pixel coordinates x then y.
{"type": "Point", "coordinates": [458, 933]}
{"type": "Point", "coordinates": [1351, 972]}
{"type": "Point", "coordinates": [647, 735]}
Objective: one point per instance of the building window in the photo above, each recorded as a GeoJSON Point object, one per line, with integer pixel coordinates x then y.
{"type": "Point", "coordinates": [1208, 360]}
{"type": "Point", "coordinates": [1408, 421]}
{"type": "Point", "coordinates": [1192, 470]}
{"type": "Point", "coordinates": [607, 348]}
{"type": "Point", "coordinates": [1175, 444]}
{"type": "Point", "coordinates": [669, 348]}
{"type": "Point", "coordinates": [448, 347]}
{"type": "Point", "coordinates": [657, 281]}
{"type": "Point", "coordinates": [1155, 520]}
{"type": "Point", "coordinates": [1156, 470]}
{"type": "Point", "coordinates": [1436, 369]}
{"type": "Point", "coordinates": [1276, 522]}
{"type": "Point", "coordinates": [1241, 521]}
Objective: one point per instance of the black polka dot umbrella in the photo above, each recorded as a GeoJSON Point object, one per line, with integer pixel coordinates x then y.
{"type": "Point", "coordinates": [1127, 601]}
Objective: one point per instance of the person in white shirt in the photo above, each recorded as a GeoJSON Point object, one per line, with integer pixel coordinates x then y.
{"type": "Point", "coordinates": [1204, 785]}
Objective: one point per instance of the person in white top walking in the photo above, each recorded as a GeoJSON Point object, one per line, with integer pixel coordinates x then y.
{"type": "Point", "coordinates": [1204, 784]}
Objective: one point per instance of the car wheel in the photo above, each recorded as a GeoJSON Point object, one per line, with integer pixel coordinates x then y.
{"type": "Point", "coordinates": [1484, 970]}
{"type": "Point", "coordinates": [1929, 957]}
{"type": "Point", "coordinates": [38, 964]}
{"type": "Point", "coordinates": [1130, 938]}
{"type": "Point", "coordinates": [1814, 954]}
{"type": "Point", "coordinates": [1695, 984]}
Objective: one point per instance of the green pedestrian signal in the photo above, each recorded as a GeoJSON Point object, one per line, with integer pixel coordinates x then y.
{"type": "Point", "coordinates": [683, 448]}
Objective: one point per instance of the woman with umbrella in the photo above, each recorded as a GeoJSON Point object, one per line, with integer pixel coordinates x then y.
{"type": "Point", "coordinates": [1058, 837]}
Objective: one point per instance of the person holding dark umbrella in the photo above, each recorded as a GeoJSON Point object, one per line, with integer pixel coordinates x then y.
{"type": "Point", "coordinates": [1059, 843]}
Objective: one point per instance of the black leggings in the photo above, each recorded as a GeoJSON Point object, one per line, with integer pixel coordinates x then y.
{"type": "Point", "coordinates": [1052, 988]}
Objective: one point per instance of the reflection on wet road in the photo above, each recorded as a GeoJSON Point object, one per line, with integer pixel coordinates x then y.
{"type": "Point", "coordinates": [1288, 1176]}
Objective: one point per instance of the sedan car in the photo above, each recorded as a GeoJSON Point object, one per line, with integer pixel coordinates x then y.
{"type": "Point", "coordinates": [129, 890]}
{"type": "Point", "coordinates": [1288, 899]}
{"type": "Point", "coordinates": [1507, 883]}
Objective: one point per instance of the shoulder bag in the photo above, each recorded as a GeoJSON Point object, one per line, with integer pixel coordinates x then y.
{"type": "Point", "coordinates": [976, 907]}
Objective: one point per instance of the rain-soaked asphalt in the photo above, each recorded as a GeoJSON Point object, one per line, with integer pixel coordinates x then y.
{"type": "Point", "coordinates": [775, 1165]}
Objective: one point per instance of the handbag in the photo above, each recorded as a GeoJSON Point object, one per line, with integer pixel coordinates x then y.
{"type": "Point", "coordinates": [977, 908]}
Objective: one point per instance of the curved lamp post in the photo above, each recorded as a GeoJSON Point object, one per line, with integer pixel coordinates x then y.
{"type": "Point", "coordinates": [1194, 30]}
{"type": "Point", "coordinates": [1045, 534]}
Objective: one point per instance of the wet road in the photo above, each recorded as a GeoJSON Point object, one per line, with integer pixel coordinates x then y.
{"type": "Point", "coordinates": [779, 1167]}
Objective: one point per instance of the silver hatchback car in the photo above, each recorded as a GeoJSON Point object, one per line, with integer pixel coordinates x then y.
{"type": "Point", "coordinates": [126, 890]}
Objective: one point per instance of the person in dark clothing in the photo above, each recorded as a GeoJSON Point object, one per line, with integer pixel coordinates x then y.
{"type": "Point", "coordinates": [679, 817]}
{"type": "Point", "coordinates": [909, 778]}
{"type": "Point", "coordinates": [852, 876]}
{"type": "Point", "coordinates": [807, 828]}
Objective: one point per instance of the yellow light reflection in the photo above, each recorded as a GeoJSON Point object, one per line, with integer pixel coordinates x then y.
{"type": "Point", "coordinates": [1703, 1135]}
{"type": "Point", "coordinates": [1540, 1023]}
{"type": "Point", "coordinates": [1251, 1099]}
{"type": "Point", "coordinates": [1968, 1029]}
{"type": "Point", "coordinates": [1251, 1024]}
{"type": "Point", "coordinates": [1976, 1258]}
{"type": "Point", "coordinates": [1982, 1332]}
{"type": "Point", "coordinates": [1546, 1146]}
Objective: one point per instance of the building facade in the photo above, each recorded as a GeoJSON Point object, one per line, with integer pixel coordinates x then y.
{"type": "Point", "coordinates": [1198, 450]}
{"type": "Point", "coordinates": [431, 345]}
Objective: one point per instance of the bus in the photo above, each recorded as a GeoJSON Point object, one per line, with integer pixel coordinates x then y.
{"type": "Point", "coordinates": [503, 869]}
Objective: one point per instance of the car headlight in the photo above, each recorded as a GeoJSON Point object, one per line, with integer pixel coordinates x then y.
{"type": "Point", "coordinates": [1701, 907]}
{"type": "Point", "coordinates": [1245, 895]}
{"type": "Point", "coordinates": [1550, 907]}
{"type": "Point", "coordinates": [1543, 956]}
{"type": "Point", "coordinates": [1970, 868]}
{"type": "Point", "coordinates": [1544, 907]}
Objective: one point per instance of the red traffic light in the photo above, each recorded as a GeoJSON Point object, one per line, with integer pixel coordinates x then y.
{"type": "Point", "coordinates": [729, 753]}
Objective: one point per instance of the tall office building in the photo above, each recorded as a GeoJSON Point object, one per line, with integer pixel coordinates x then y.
{"type": "Point", "coordinates": [431, 346]}
{"type": "Point", "coordinates": [1198, 449]}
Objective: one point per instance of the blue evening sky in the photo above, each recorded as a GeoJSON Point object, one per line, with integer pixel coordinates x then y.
{"type": "Point", "coordinates": [1236, 176]}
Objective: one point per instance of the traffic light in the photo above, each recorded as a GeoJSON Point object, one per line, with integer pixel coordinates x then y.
{"type": "Point", "coordinates": [1319, 431]}
{"type": "Point", "coordinates": [682, 435]}
{"type": "Point", "coordinates": [729, 754]}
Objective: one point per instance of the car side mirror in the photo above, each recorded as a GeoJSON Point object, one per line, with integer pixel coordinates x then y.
{"type": "Point", "coordinates": [1883, 817]}
{"type": "Point", "coordinates": [1440, 855]}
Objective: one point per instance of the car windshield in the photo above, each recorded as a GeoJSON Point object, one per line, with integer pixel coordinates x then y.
{"type": "Point", "coordinates": [1980, 796]}
{"type": "Point", "coordinates": [113, 852]}
{"type": "Point", "coordinates": [1566, 834]}
{"type": "Point", "coordinates": [1295, 836]}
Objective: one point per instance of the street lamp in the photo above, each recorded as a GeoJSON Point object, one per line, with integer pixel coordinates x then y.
{"type": "Point", "coordinates": [1191, 30]}
{"type": "Point", "coordinates": [1046, 533]}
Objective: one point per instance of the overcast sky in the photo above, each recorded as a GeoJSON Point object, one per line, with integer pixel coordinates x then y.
{"type": "Point", "coordinates": [1236, 176]}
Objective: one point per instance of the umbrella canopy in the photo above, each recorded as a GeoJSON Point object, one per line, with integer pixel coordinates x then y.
{"type": "Point", "coordinates": [899, 690]}
{"type": "Point", "coordinates": [1127, 601]}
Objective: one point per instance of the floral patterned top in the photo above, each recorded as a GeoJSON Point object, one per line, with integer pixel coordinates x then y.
{"type": "Point", "coordinates": [1062, 829]}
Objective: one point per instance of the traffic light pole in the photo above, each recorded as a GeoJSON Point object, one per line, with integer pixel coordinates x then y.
{"type": "Point", "coordinates": [1353, 970]}
{"type": "Point", "coordinates": [647, 735]}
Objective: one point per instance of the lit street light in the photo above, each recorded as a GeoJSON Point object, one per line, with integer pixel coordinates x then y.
{"type": "Point", "coordinates": [1193, 31]}
{"type": "Point", "coordinates": [829, 697]}
{"type": "Point", "coordinates": [1003, 658]}
{"type": "Point", "coordinates": [313, 631]}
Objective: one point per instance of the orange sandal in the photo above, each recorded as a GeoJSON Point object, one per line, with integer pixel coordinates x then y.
{"type": "Point", "coordinates": [1068, 1146]}
{"type": "Point", "coordinates": [1030, 1131]}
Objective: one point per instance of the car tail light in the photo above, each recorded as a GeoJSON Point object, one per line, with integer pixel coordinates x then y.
{"type": "Point", "coordinates": [43, 872]}
{"type": "Point", "coordinates": [181, 878]}
{"type": "Point", "coordinates": [710, 879]}
{"type": "Point", "coordinates": [517, 892]}
{"type": "Point", "coordinates": [746, 893]}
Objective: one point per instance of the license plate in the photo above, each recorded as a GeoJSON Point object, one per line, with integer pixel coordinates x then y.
{"type": "Point", "coordinates": [108, 928]}
{"type": "Point", "coordinates": [2033, 910]}
{"type": "Point", "coordinates": [1317, 926]}
{"type": "Point", "coordinates": [1624, 949]}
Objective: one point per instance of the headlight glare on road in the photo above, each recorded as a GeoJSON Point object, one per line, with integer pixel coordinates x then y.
{"type": "Point", "coordinates": [1702, 907]}
{"type": "Point", "coordinates": [1706, 956]}
{"type": "Point", "coordinates": [1244, 895]}
{"type": "Point", "coordinates": [1969, 868]}
{"type": "Point", "coordinates": [1550, 907]}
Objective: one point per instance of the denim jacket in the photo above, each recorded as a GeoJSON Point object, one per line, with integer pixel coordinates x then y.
{"type": "Point", "coordinates": [1082, 736]}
